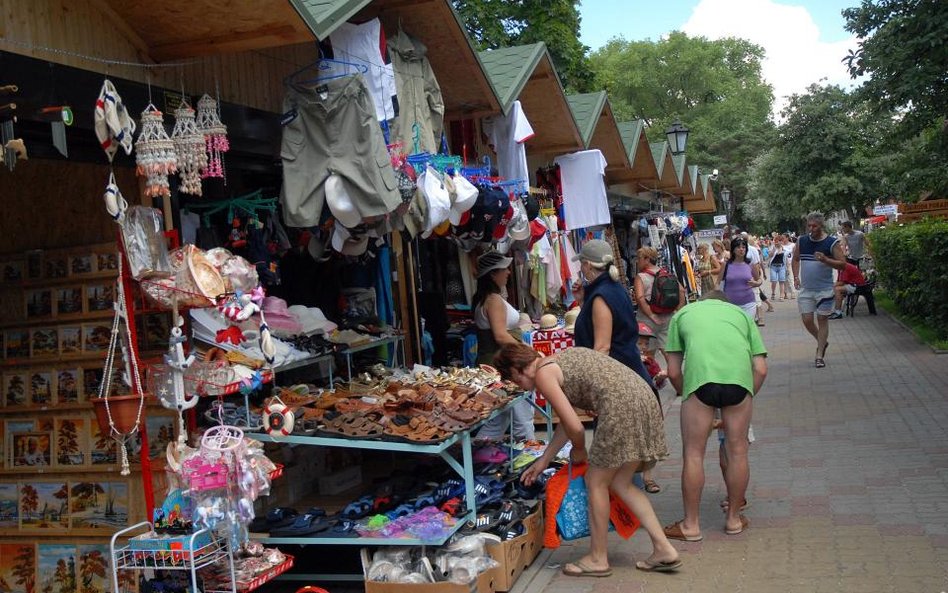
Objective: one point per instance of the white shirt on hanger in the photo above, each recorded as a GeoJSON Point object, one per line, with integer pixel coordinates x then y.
{"type": "Point", "coordinates": [507, 135]}
{"type": "Point", "coordinates": [584, 190]}
{"type": "Point", "coordinates": [362, 43]}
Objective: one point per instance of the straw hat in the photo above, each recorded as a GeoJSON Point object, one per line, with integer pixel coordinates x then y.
{"type": "Point", "coordinates": [347, 244]}
{"type": "Point", "coordinates": [548, 322]}
{"type": "Point", "coordinates": [570, 318]}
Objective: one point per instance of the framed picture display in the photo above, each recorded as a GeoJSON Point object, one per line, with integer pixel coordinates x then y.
{"type": "Point", "coordinates": [39, 303]}
{"type": "Point", "coordinates": [44, 505]}
{"type": "Point", "coordinates": [80, 265]}
{"type": "Point", "coordinates": [102, 449]}
{"type": "Point", "coordinates": [56, 266]}
{"type": "Point", "coordinates": [31, 449]}
{"type": "Point", "coordinates": [95, 505]}
{"type": "Point", "coordinates": [16, 560]}
{"type": "Point", "coordinates": [71, 446]}
{"type": "Point", "coordinates": [34, 264]}
{"type": "Point", "coordinates": [44, 341]}
{"type": "Point", "coordinates": [99, 296]}
{"type": "Point", "coordinates": [68, 300]}
{"type": "Point", "coordinates": [95, 337]}
{"type": "Point", "coordinates": [70, 339]}
{"type": "Point", "coordinates": [12, 270]}
{"type": "Point", "coordinates": [107, 261]}
{"type": "Point", "coordinates": [9, 509]}
{"type": "Point", "coordinates": [17, 343]}
{"type": "Point", "coordinates": [94, 568]}
{"type": "Point", "coordinates": [68, 386]}
{"type": "Point", "coordinates": [41, 387]}
{"type": "Point", "coordinates": [91, 378]}
{"type": "Point", "coordinates": [16, 387]}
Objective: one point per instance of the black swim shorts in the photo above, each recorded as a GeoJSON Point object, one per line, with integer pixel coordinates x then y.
{"type": "Point", "coordinates": [717, 395]}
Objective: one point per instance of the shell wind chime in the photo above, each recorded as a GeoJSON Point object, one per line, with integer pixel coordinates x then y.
{"type": "Point", "coordinates": [215, 136]}
{"type": "Point", "coordinates": [189, 149]}
{"type": "Point", "coordinates": [155, 153]}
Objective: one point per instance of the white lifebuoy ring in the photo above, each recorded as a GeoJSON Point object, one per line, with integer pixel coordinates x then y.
{"type": "Point", "coordinates": [277, 418]}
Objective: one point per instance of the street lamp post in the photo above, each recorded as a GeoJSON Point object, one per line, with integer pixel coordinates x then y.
{"type": "Point", "coordinates": [677, 136]}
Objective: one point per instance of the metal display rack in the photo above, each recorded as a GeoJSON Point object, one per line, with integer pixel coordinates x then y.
{"type": "Point", "coordinates": [464, 468]}
{"type": "Point", "coordinates": [192, 555]}
{"type": "Point", "coordinates": [395, 340]}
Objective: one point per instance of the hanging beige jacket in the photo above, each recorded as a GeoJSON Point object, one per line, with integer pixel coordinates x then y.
{"type": "Point", "coordinates": [419, 95]}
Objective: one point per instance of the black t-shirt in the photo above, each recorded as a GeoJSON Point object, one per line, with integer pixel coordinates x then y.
{"type": "Point", "coordinates": [778, 259]}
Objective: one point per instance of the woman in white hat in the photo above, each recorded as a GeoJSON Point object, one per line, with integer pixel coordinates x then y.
{"type": "Point", "coordinates": [495, 319]}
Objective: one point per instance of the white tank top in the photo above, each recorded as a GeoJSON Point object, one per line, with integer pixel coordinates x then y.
{"type": "Point", "coordinates": [481, 321]}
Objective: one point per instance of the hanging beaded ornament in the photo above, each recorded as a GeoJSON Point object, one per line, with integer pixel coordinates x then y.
{"type": "Point", "coordinates": [215, 136]}
{"type": "Point", "coordinates": [155, 153]}
{"type": "Point", "coordinates": [189, 149]}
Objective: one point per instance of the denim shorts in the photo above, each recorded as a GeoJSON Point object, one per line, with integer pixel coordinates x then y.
{"type": "Point", "coordinates": [778, 273]}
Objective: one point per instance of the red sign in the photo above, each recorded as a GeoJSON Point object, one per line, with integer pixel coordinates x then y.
{"type": "Point", "coordinates": [548, 342]}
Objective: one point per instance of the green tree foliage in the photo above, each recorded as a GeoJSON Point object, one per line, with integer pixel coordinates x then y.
{"type": "Point", "coordinates": [828, 156]}
{"type": "Point", "coordinates": [504, 23]}
{"type": "Point", "coordinates": [903, 53]}
{"type": "Point", "coordinates": [714, 87]}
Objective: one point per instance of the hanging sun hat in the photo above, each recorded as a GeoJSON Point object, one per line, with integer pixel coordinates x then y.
{"type": "Point", "coordinates": [465, 195]}
{"type": "Point", "coordinates": [346, 243]}
{"type": "Point", "coordinates": [490, 261]}
{"type": "Point", "coordinates": [343, 209]}
{"type": "Point", "coordinates": [198, 275]}
{"type": "Point", "coordinates": [525, 322]}
{"type": "Point", "coordinates": [646, 331]}
{"type": "Point", "coordinates": [500, 229]}
{"type": "Point", "coordinates": [548, 322]}
{"type": "Point", "coordinates": [570, 319]}
{"type": "Point", "coordinates": [113, 126]}
{"type": "Point", "coordinates": [519, 226]}
{"type": "Point", "coordinates": [502, 245]}
{"type": "Point", "coordinates": [439, 200]}
{"type": "Point", "coordinates": [537, 230]}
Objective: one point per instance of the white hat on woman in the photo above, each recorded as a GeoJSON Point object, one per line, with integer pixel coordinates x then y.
{"type": "Point", "coordinates": [490, 261]}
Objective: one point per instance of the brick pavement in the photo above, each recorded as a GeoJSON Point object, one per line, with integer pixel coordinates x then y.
{"type": "Point", "coordinates": [849, 477]}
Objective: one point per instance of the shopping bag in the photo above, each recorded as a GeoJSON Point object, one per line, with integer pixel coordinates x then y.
{"type": "Point", "coordinates": [572, 520]}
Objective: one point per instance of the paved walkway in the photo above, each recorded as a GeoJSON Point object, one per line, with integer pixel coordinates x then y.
{"type": "Point", "coordinates": [849, 477]}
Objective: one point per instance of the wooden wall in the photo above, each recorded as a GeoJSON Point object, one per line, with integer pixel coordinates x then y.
{"type": "Point", "coordinates": [52, 204]}
{"type": "Point", "coordinates": [90, 27]}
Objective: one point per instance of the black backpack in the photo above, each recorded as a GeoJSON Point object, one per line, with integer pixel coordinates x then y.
{"type": "Point", "coordinates": [665, 297]}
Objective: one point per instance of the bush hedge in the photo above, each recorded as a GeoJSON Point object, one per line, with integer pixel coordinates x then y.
{"type": "Point", "coordinates": [912, 265]}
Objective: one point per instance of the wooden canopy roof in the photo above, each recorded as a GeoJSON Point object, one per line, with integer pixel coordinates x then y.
{"type": "Point", "coordinates": [642, 166]}
{"type": "Point", "coordinates": [683, 175]}
{"type": "Point", "coordinates": [597, 124]}
{"type": "Point", "coordinates": [526, 73]}
{"type": "Point", "coordinates": [703, 201]}
{"type": "Point", "coordinates": [664, 165]}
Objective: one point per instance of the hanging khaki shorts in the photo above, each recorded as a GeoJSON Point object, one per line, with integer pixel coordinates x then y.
{"type": "Point", "coordinates": [333, 130]}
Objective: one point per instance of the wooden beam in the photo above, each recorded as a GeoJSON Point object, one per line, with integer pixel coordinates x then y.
{"type": "Point", "coordinates": [133, 37]}
{"type": "Point", "coordinates": [263, 37]}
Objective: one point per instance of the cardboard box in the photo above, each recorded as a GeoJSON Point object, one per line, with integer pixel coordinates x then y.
{"type": "Point", "coordinates": [485, 583]}
{"type": "Point", "coordinates": [516, 555]}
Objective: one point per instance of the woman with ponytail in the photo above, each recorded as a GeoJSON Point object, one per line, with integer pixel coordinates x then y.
{"type": "Point", "coordinates": [606, 321]}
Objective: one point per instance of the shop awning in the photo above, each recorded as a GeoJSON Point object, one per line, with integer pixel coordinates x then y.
{"type": "Point", "coordinates": [526, 73]}
{"type": "Point", "coordinates": [175, 29]}
{"type": "Point", "coordinates": [597, 125]}
{"type": "Point", "coordinates": [664, 165]}
{"type": "Point", "coordinates": [642, 166]}
{"type": "Point", "coordinates": [683, 174]}
{"type": "Point", "coordinates": [706, 204]}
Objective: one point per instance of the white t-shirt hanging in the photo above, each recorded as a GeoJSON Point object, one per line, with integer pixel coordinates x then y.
{"type": "Point", "coordinates": [584, 189]}
{"type": "Point", "coordinates": [363, 43]}
{"type": "Point", "coordinates": [507, 135]}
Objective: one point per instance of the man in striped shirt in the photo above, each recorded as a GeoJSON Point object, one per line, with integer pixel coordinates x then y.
{"type": "Point", "coordinates": [814, 259]}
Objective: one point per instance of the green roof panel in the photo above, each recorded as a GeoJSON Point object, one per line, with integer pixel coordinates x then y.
{"type": "Point", "coordinates": [586, 109]}
{"type": "Point", "coordinates": [679, 160]}
{"type": "Point", "coordinates": [659, 150]}
{"type": "Point", "coordinates": [509, 68]}
{"type": "Point", "coordinates": [323, 16]}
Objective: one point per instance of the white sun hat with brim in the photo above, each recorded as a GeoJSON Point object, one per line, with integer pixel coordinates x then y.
{"type": "Point", "coordinates": [312, 320]}
{"type": "Point", "coordinates": [343, 209]}
{"type": "Point", "coordinates": [548, 322]}
{"type": "Point", "coordinates": [465, 196]}
{"type": "Point", "coordinates": [519, 226]}
{"type": "Point", "coordinates": [347, 244]}
{"type": "Point", "coordinates": [439, 200]}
